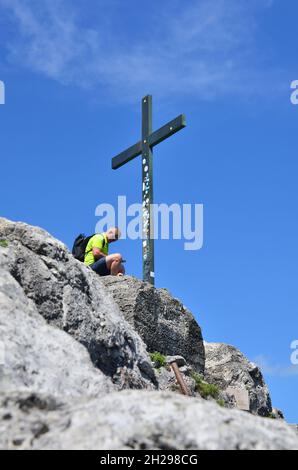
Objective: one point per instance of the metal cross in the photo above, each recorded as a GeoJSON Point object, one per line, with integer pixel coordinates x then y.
{"type": "Point", "coordinates": [145, 148]}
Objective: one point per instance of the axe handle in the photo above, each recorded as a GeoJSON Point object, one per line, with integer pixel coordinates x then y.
{"type": "Point", "coordinates": [180, 380]}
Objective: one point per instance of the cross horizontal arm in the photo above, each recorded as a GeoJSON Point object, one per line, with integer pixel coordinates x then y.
{"type": "Point", "coordinates": [166, 131]}
{"type": "Point", "coordinates": [124, 157]}
{"type": "Point", "coordinates": [155, 138]}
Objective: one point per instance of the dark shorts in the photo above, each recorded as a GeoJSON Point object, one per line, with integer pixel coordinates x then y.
{"type": "Point", "coordinates": [100, 267]}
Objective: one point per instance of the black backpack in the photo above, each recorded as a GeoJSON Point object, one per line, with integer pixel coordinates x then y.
{"type": "Point", "coordinates": [80, 245]}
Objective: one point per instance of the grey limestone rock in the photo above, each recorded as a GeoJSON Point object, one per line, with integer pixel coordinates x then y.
{"type": "Point", "coordinates": [71, 342]}
{"type": "Point", "coordinates": [37, 356]}
{"type": "Point", "coordinates": [227, 367]}
{"type": "Point", "coordinates": [72, 297]}
{"type": "Point", "coordinates": [135, 420]}
{"type": "Point", "coordinates": [163, 323]}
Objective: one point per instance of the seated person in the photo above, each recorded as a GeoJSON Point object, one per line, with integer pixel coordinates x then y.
{"type": "Point", "coordinates": [97, 254]}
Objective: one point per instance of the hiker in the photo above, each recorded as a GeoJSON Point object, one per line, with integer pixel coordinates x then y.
{"type": "Point", "coordinates": [97, 254]}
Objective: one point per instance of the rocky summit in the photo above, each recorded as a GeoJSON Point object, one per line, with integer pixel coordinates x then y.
{"type": "Point", "coordinates": [97, 363]}
{"type": "Point", "coordinates": [163, 323]}
{"type": "Point", "coordinates": [229, 369]}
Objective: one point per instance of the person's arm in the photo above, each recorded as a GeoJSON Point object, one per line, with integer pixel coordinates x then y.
{"type": "Point", "coordinates": [97, 253]}
{"type": "Point", "coordinates": [97, 247]}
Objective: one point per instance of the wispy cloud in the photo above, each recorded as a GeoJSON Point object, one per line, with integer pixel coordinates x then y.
{"type": "Point", "coordinates": [275, 370]}
{"type": "Point", "coordinates": [204, 47]}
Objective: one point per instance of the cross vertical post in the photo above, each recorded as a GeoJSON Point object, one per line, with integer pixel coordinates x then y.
{"type": "Point", "coordinates": [147, 191]}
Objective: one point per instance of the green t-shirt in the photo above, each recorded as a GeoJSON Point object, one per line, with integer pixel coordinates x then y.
{"type": "Point", "coordinates": [98, 241]}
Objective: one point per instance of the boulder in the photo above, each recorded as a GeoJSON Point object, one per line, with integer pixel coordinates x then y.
{"type": "Point", "coordinates": [135, 420]}
{"type": "Point", "coordinates": [71, 297]}
{"type": "Point", "coordinates": [228, 368]}
{"type": "Point", "coordinates": [162, 321]}
{"type": "Point", "coordinates": [36, 356]}
{"type": "Point", "coordinates": [294, 427]}
{"type": "Point", "coordinates": [277, 414]}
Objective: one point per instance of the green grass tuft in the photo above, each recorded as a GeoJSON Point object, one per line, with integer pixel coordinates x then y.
{"type": "Point", "coordinates": [221, 403]}
{"type": "Point", "coordinates": [205, 390]}
{"type": "Point", "coordinates": [3, 243]}
{"type": "Point", "coordinates": [158, 358]}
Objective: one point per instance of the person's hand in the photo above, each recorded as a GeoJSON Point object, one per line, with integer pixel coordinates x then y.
{"type": "Point", "coordinates": [119, 275]}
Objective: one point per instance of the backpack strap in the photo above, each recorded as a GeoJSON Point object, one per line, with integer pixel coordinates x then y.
{"type": "Point", "coordinates": [89, 251]}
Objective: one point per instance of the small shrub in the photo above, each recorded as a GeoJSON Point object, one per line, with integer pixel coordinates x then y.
{"type": "Point", "coordinates": [205, 390]}
{"type": "Point", "coordinates": [221, 403]}
{"type": "Point", "coordinates": [4, 243]}
{"type": "Point", "coordinates": [158, 359]}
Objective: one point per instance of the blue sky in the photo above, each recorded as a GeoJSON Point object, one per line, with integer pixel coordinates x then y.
{"type": "Point", "coordinates": [75, 73]}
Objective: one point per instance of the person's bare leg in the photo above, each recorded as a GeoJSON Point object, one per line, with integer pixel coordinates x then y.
{"type": "Point", "coordinates": [114, 263]}
{"type": "Point", "coordinates": [122, 271]}
{"type": "Point", "coordinates": [116, 268]}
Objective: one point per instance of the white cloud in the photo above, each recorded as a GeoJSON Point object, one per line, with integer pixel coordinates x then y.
{"type": "Point", "coordinates": [203, 48]}
{"type": "Point", "coordinates": [276, 370]}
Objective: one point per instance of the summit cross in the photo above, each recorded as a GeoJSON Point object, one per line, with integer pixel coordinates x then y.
{"type": "Point", "coordinates": [145, 148]}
